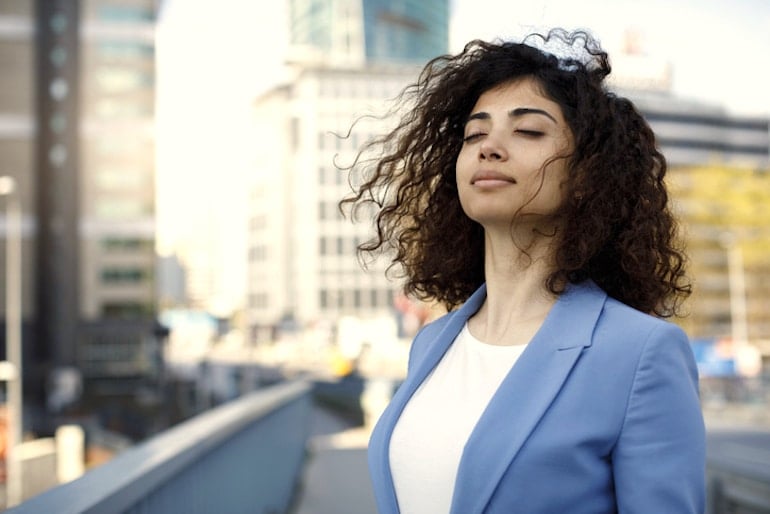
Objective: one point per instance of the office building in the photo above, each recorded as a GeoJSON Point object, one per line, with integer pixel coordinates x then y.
{"type": "Point", "coordinates": [76, 125]}
{"type": "Point", "coordinates": [302, 265]}
{"type": "Point", "coordinates": [17, 134]}
{"type": "Point", "coordinates": [349, 55]}
{"type": "Point", "coordinates": [690, 132]}
{"type": "Point", "coordinates": [354, 32]}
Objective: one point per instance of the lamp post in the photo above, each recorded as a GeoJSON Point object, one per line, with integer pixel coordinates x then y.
{"type": "Point", "coordinates": [737, 289]}
{"type": "Point", "coordinates": [13, 336]}
{"type": "Point", "coordinates": [737, 280]}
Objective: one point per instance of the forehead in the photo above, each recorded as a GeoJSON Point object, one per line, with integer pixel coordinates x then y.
{"type": "Point", "coordinates": [519, 92]}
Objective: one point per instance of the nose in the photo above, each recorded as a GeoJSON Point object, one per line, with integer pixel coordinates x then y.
{"type": "Point", "coordinates": [492, 150]}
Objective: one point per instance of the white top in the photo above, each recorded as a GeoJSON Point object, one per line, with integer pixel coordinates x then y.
{"type": "Point", "coordinates": [429, 437]}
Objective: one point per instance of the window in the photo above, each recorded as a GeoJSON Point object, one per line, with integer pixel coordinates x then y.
{"type": "Point", "coordinates": [123, 275]}
{"type": "Point", "coordinates": [125, 13]}
{"type": "Point", "coordinates": [116, 244]}
{"type": "Point", "coordinates": [122, 208]}
{"type": "Point", "coordinates": [119, 80]}
{"type": "Point", "coordinates": [294, 133]}
{"type": "Point", "coordinates": [258, 253]}
{"type": "Point", "coordinates": [121, 178]}
{"type": "Point", "coordinates": [357, 298]}
{"type": "Point", "coordinates": [108, 108]}
{"type": "Point", "coordinates": [125, 50]}
{"type": "Point", "coordinates": [125, 309]}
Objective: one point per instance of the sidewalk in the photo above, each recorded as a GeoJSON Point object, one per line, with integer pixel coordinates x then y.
{"type": "Point", "coordinates": [335, 479]}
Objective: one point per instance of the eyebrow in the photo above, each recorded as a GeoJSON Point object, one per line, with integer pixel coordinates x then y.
{"type": "Point", "coordinates": [515, 113]}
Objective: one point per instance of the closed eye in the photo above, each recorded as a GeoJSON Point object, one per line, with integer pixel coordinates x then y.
{"type": "Point", "coordinates": [529, 133]}
{"type": "Point", "coordinates": [472, 137]}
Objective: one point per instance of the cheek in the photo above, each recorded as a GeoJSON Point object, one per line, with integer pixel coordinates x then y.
{"type": "Point", "coordinates": [462, 182]}
{"type": "Point", "coordinates": [462, 166]}
{"type": "Point", "coordinates": [555, 184]}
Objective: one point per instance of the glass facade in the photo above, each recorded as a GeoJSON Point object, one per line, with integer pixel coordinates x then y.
{"type": "Point", "coordinates": [400, 31]}
{"type": "Point", "coordinates": [311, 23]}
{"type": "Point", "coordinates": [408, 30]}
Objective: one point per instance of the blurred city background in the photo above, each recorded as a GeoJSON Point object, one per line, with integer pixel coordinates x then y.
{"type": "Point", "coordinates": [171, 243]}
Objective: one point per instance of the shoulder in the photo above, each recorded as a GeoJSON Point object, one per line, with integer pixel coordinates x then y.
{"type": "Point", "coordinates": [616, 315]}
{"type": "Point", "coordinates": [632, 341]}
{"type": "Point", "coordinates": [586, 312]}
{"type": "Point", "coordinates": [654, 354]}
{"type": "Point", "coordinates": [620, 319]}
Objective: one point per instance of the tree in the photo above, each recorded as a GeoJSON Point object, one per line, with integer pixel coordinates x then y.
{"type": "Point", "coordinates": [725, 211]}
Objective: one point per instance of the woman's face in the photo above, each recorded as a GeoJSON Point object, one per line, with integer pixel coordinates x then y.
{"type": "Point", "coordinates": [510, 135]}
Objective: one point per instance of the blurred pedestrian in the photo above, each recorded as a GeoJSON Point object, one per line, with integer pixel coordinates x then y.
{"type": "Point", "coordinates": [529, 200]}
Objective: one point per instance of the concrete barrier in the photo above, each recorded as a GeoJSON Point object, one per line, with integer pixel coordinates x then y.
{"type": "Point", "coordinates": [242, 457]}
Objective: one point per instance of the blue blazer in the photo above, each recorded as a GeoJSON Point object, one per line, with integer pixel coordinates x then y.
{"type": "Point", "coordinates": [600, 414]}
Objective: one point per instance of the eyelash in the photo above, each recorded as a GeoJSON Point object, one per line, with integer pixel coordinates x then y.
{"type": "Point", "coordinates": [471, 137]}
{"type": "Point", "coordinates": [528, 133]}
{"type": "Point", "coordinates": [531, 133]}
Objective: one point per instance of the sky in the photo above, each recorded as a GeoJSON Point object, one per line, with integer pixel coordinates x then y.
{"type": "Point", "coordinates": [213, 62]}
{"type": "Point", "coordinates": [718, 49]}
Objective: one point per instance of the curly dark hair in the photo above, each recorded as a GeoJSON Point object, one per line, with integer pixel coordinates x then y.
{"type": "Point", "coordinates": [617, 227]}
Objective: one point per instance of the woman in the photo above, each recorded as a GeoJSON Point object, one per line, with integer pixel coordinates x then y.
{"type": "Point", "coordinates": [517, 188]}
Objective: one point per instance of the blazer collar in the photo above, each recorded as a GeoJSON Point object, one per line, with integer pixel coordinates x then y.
{"type": "Point", "coordinates": [525, 394]}
{"type": "Point", "coordinates": [516, 407]}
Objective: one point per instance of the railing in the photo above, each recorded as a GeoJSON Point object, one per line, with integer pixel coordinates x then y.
{"type": "Point", "coordinates": [738, 473]}
{"type": "Point", "coordinates": [244, 456]}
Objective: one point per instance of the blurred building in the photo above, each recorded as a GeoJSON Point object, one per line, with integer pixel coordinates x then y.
{"type": "Point", "coordinates": [301, 252]}
{"type": "Point", "coordinates": [355, 32]}
{"type": "Point", "coordinates": [349, 56]}
{"type": "Point", "coordinates": [17, 136]}
{"type": "Point", "coordinates": [76, 129]}
{"type": "Point", "coordinates": [691, 132]}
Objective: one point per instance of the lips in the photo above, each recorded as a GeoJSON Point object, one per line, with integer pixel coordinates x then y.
{"type": "Point", "coordinates": [490, 177]}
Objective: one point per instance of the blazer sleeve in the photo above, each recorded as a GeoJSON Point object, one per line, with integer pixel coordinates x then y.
{"type": "Point", "coordinates": [659, 458]}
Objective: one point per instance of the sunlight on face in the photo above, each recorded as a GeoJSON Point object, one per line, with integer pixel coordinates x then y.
{"type": "Point", "coordinates": [505, 167]}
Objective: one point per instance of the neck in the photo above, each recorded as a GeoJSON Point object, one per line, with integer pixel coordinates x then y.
{"type": "Point", "coordinates": [517, 300]}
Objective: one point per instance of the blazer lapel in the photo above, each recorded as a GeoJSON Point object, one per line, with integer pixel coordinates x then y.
{"type": "Point", "coordinates": [426, 357]}
{"type": "Point", "coordinates": [524, 395]}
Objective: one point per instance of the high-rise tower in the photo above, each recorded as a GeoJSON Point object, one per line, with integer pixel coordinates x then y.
{"type": "Point", "coordinates": [76, 133]}
{"type": "Point", "coordinates": [358, 31]}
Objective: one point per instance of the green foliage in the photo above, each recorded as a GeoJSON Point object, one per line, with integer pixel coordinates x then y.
{"type": "Point", "coordinates": [731, 201]}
